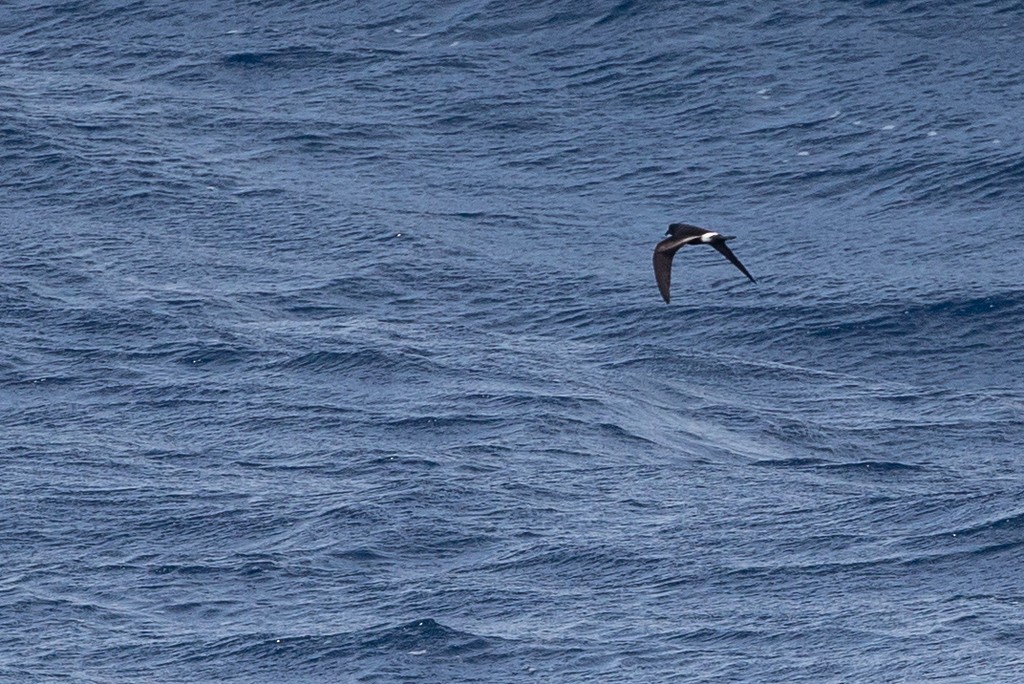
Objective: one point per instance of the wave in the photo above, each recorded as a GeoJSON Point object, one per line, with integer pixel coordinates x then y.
{"type": "Point", "coordinates": [406, 652]}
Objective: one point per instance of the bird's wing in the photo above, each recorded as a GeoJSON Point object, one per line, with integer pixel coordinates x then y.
{"type": "Point", "coordinates": [727, 253]}
{"type": "Point", "coordinates": [663, 253]}
{"type": "Point", "coordinates": [663, 272]}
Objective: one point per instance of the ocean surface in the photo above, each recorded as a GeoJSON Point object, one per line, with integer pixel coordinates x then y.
{"type": "Point", "coordinates": [330, 348]}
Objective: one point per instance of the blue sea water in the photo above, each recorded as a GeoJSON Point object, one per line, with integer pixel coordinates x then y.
{"type": "Point", "coordinates": [331, 350]}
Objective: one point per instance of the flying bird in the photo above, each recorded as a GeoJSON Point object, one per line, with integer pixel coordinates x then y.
{"type": "Point", "coordinates": [680, 235]}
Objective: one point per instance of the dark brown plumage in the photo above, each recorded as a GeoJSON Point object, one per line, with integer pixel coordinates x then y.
{"type": "Point", "coordinates": [680, 235]}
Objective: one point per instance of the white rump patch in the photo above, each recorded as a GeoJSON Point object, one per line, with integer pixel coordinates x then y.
{"type": "Point", "coordinates": [708, 237]}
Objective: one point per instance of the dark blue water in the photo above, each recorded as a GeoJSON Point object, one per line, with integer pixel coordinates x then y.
{"type": "Point", "coordinates": [331, 349]}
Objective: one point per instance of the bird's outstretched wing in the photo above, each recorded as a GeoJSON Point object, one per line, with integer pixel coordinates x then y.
{"type": "Point", "coordinates": [663, 272]}
{"type": "Point", "coordinates": [727, 253]}
{"type": "Point", "coordinates": [663, 253]}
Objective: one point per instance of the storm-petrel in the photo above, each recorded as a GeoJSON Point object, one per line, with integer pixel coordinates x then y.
{"type": "Point", "coordinates": [684, 234]}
